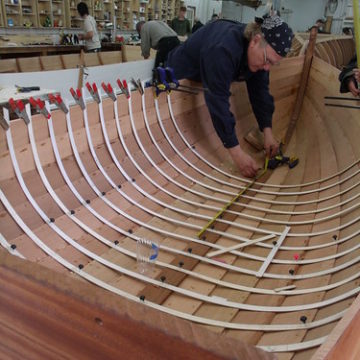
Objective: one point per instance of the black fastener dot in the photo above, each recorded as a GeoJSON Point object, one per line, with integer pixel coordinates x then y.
{"type": "Point", "coordinates": [291, 271]}
{"type": "Point", "coordinates": [13, 246]}
{"type": "Point", "coordinates": [98, 321]}
{"type": "Point", "coordinates": [220, 217]}
{"type": "Point", "coordinates": [212, 227]}
{"type": "Point", "coordinates": [87, 201]}
{"type": "Point", "coordinates": [142, 297]}
{"type": "Point", "coordinates": [181, 264]}
{"type": "Point", "coordinates": [81, 266]}
{"type": "Point", "coordinates": [274, 243]}
{"type": "Point", "coordinates": [103, 193]}
{"type": "Point", "coordinates": [190, 250]}
{"type": "Point", "coordinates": [193, 147]}
{"type": "Point", "coordinates": [163, 278]}
{"type": "Point", "coordinates": [133, 180]}
{"type": "Point", "coordinates": [335, 237]}
{"type": "Point", "coordinates": [52, 220]}
{"type": "Point", "coordinates": [72, 212]}
{"type": "Point", "coordinates": [203, 238]}
{"type": "Point", "coordinates": [119, 186]}
{"type": "Point", "coordinates": [303, 319]}
{"type": "Point", "coordinates": [116, 242]}
{"type": "Point", "coordinates": [130, 231]}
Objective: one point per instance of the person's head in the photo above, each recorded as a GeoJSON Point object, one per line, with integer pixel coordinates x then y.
{"type": "Point", "coordinates": [139, 26]}
{"type": "Point", "coordinates": [269, 41]}
{"type": "Point", "coordinates": [82, 9]}
{"type": "Point", "coordinates": [347, 31]}
{"type": "Point", "coordinates": [182, 12]}
{"type": "Point", "coordinates": [214, 17]}
{"type": "Point", "coordinates": [320, 23]}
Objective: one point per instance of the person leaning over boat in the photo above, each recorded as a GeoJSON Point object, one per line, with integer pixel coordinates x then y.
{"type": "Point", "coordinates": [350, 78]}
{"type": "Point", "coordinates": [225, 51]}
{"type": "Point", "coordinates": [158, 36]}
{"type": "Point", "coordinates": [91, 36]}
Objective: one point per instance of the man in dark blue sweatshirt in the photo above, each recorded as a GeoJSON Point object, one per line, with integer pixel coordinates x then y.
{"type": "Point", "coordinates": [225, 51]}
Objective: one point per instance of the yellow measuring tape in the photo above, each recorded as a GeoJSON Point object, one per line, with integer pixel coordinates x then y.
{"type": "Point", "coordinates": [234, 199]}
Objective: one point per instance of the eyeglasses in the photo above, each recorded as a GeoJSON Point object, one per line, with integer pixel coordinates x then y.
{"type": "Point", "coordinates": [268, 61]}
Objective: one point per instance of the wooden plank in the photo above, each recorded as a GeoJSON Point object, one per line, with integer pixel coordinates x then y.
{"type": "Point", "coordinates": [76, 311]}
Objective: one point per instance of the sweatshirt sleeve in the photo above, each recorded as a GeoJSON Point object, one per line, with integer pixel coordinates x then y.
{"type": "Point", "coordinates": [145, 42]}
{"type": "Point", "coordinates": [218, 82]}
{"type": "Point", "coordinates": [261, 101]}
{"type": "Point", "coordinates": [346, 74]}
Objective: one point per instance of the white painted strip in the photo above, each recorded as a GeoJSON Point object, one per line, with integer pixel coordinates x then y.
{"type": "Point", "coordinates": [289, 287]}
{"type": "Point", "coordinates": [8, 247]}
{"type": "Point", "coordinates": [273, 252]}
{"type": "Point", "coordinates": [239, 246]}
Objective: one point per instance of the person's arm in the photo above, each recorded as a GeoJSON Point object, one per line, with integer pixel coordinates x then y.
{"type": "Point", "coordinates": [263, 107]}
{"type": "Point", "coordinates": [188, 27]}
{"type": "Point", "coordinates": [217, 77]}
{"type": "Point", "coordinates": [348, 80]}
{"type": "Point", "coordinates": [145, 42]}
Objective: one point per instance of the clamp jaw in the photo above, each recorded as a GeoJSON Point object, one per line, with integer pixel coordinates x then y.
{"type": "Point", "coordinates": [78, 97]}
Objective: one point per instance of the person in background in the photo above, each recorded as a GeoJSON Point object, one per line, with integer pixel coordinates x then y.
{"type": "Point", "coordinates": [224, 51]}
{"type": "Point", "coordinates": [91, 36]}
{"type": "Point", "coordinates": [198, 24]}
{"type": "Point", "coordinates": [320, 23]}
{"type": "Point", "coordinates": [214, 17]}
{"type": "Point", "coordinates": [158, 36]}
{"type": "Point", "coordinates": [180, 24]}
{"type": "Point", "coordinates": [350, 78]}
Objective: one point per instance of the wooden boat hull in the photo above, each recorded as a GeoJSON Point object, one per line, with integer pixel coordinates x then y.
{"type": "Point", "coordinates": [155, 170]}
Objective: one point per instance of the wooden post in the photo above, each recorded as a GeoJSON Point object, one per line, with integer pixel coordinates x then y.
{"type": "Point", "coordinates": [304, 80]}
{"type": "Point", "coordinates": [81, 69]}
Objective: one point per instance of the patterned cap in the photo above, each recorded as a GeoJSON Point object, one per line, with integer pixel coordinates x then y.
{"type": "Point", "coordinates": [277, 34]}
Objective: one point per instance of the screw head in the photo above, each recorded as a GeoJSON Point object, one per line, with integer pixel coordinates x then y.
{"type": "Point", "coordinates": [88, 201]}
{"type": "Point", "coordinates": [13, 246]}
{"type": "Point", "coordinates": [130, 231]}
{"type": "Point", "coordinates": [334, 237]}
{"type": "Point", "coordinates": [81, 266]}
{"type": "Point", "coordinates": [303, 319]}
{"type": "Point", "coordinates": [103, 193]}
{"type": "Point", "coordinates": [142, 297]}
{"type": "Point", "coordinates": [291, 271]}
{"type": "Point", "coordinates": [119, 186]}
{"type": "Point", "coordinates": [163, 278]}
{"type": "Point", "coordinates": [72, 212]}
{"type": "Point", "coordinates": [116, 242]}
{"type": "Point", "coordinates": [190, 250]}
{"type": "Point", "coordinates": [274, 243]}
{"type": "Point", "coordinates": [181, 263]}
{"type": "Point", "coordinates": [52, 220]}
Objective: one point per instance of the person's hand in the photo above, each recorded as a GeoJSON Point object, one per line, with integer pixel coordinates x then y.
{"type": "Point", "coordinates": [270, 144]}
{"type": "Point", "coordinates": [357, 74]}
{"type": "Point", "coordinates": [352, 87]}
{"type": "Point", "coordinates": [246, 164]}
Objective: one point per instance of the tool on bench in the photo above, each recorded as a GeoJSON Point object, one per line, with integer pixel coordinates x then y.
{"type": "Point", "coordinates": [25, 89]}
{"type": "Point", "coordinates": [280, 159]}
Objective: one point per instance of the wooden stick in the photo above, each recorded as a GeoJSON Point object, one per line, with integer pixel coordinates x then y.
{"type": "Point", "coordinates": [273, 252]}
{"type": "Point", "coordinates": [304, 80]}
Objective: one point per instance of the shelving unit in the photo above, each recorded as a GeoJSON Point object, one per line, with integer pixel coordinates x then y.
{"type": "Point", "coordinates": [63, 13]}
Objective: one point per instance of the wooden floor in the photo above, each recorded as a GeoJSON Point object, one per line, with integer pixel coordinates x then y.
{"type": "Point", "coordinates": [93, 193]}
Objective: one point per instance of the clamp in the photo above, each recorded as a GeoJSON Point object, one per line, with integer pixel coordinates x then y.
{"type": "Point", "coordinates": [280, 159]}
{"type": "Point", "coordinates": [78, 97]}
{"type": "Point", "coordinates": [19, 110]}
{"type": "Point", "coordinates": [93, 92]}
{"type": "Point", "coordinates": [123, 86]}
{"type": "Point", "coordinates": [39, 105]}
{"type": "Point", "coordinates": [109, 91]}
{"type": "Point", "coordinates": [59, 102]}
